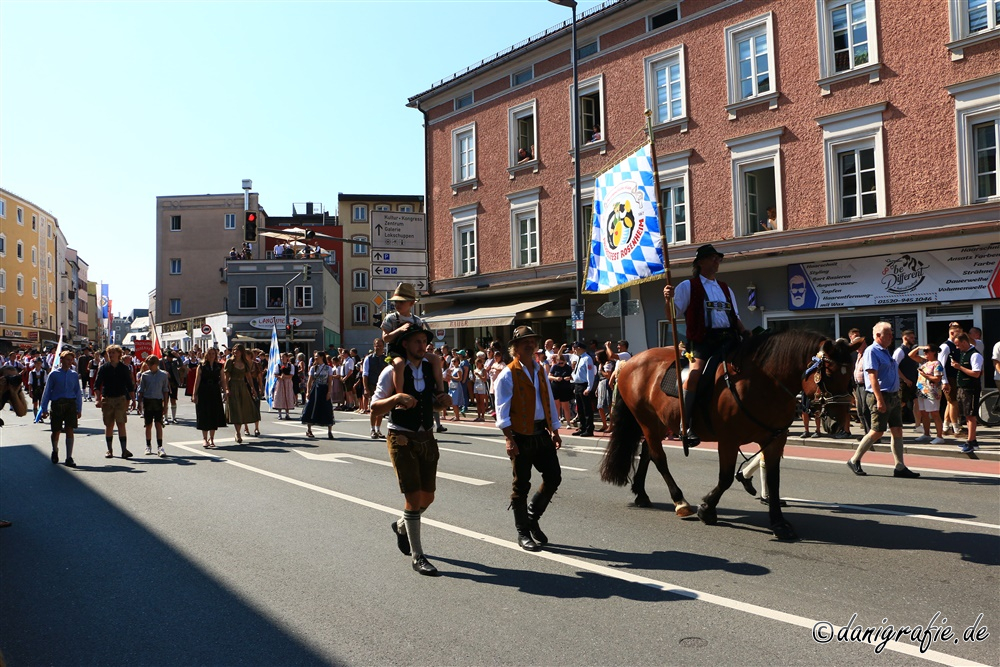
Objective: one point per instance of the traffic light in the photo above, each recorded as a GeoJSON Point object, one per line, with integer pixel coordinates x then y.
{"type": "Point", "coordinates": [307, 273]}
{"type": "Point", "coordinates": [289, 331]}
{"type": "Point", "coordinates": [377, 318]}
{"type": "Point", "coordinates": [250, 226]}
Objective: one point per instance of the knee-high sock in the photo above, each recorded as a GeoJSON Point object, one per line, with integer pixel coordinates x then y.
{"type": "Point", "coordinates": [55, 441]}
{"type": "Point", "coordinates": [108, 439]}
{"type": "Point", "coordinates": [123, 441]}
{"type": "Point", "coordinates": [69, 446]}
{"type": "Point", "coordinates": [173, 411]}
{"type": "Point", "coordinates": [864, 446]}
{"type": "Point", "coordinates": [412, 520]}
{"type": "Point", "coordinates": [897, 451]}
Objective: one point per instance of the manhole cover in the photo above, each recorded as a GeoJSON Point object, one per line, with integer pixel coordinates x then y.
{"type": "Point", "coordinates": [693, 642]}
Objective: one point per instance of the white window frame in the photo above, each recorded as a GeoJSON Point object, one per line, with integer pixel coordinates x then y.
{"type": "Point", "coordinates": [267, 300]}
{"type": "Point", "coordinates": [34, 288]}
{"type": "Point", "coordinates": [530, 71]}
{"type": "Point", "coordinates": [20, 216]}
{"type": "Point", "coordinates": [306, 294]}
{"type": "Point", "coordinates": [246, 288]}
{"type": "Point", "coordinates": [463, 101]}
{"type": "Point", "coordinates": [175, 306]}
{"type": "Point", "coordinates": [34, 223]}
{"type": "Point", "coordinates": [19, 251]}
{"type": "Point", "coordinates": [406, 208]}
{"type": "Point", "coordinates": [751, 152]}
{"type": "Point", "coordinates": [355, 252]}
{"type": "Point", "coordinates": [3, 280]}
{"type": "Point", "coordinates": [3, 245]}
{"type": "Point", "coordinates": [828, 73]}
{"type": "Point", "coordinates": [34, 256]}
{"type": "Point", "coordinates": [52, 292]}
{"type": "Point", "coordinates": [364, 283]}
{"type": "Point", "coordinates": [976, 101]}
{"type": "Point", "coordinates": [20, 316]}
{"type": "Point", "coordinates": [3, 208]}
{"type": "Point", "coordinates": [170, 222]}
{"type": "Point", "coordinates": [464, 219]}
{"type": "Point", "coordinates": [958, 14]}
{"type": "Point", "coordinates": [48, 262]}
{"type": "Point", "coordinates": [845, 131]}
{"type": "Point", "coordinates": [3, 313]}
{"type": "Point", "coordinates": [524, 205]}
{"type": "Point", "coordinates": [359, 213]}
{"type": "Point", "coordinates": [19, 284]}
{"type": "Point", "coordinates": [175, 266]}
{"type": "Point", "coordinates": [596, 43]}
{"type": "Point", "coordinates": [458, 135]}
{"type": "Point", "coordinates": [229, 222]}
{"type": "Point", "coordinates": [359, 313]}
{"type": "Point", "coordinates": [589, 87]}
{"type": "Point", "coordinates": [514, 116]}
{"type": "Point", "coordinates": [49, 232]}
{"type": "Point", "coordinates": [675, 169]}
{"type": "Point", "coordinates": [383, 207]}
{"type": "Point", "coordinates": [664, 60]}
{"type": "Point", "coordinates": [763, 24]}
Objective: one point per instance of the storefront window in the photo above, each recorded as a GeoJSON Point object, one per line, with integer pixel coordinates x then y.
{"type": "Point", "coordinates": [824, 325]}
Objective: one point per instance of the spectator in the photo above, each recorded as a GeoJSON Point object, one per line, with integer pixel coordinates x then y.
{"type": "Point", "coordinates": [968, 366]}
{"type": "Point", "coordinates": [930, 375]}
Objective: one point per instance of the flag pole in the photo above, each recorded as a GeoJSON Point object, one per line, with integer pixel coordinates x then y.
{"type": "Point", "coordinates": [668, 306]}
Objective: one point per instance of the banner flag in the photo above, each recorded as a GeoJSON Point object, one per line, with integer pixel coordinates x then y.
{"type": "Point", "coordinates": [625, 244]}
{"type": "Point", "coordinates": [273, 364]}
{"type": "Point", "coordinates": [156, 339]}
{"type": "Point", "coordinates": [54, 365]}
{"type": "Point", "coordinates": [105, 301]}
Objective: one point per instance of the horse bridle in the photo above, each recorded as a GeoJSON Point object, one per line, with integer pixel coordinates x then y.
{"type": "Point", "coordinates": [821, 365]}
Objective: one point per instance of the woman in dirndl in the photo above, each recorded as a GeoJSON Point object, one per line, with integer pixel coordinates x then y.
{"type": "Point", "coordinates": [241, 407]}
{"type": "Point", "coordinates": [283, 393]}
{"type": "Point", "coordinates": [319, 406]}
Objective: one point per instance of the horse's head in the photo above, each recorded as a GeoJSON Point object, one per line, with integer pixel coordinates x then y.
{"type": "Point", "coordinates": [10, 390]}
{"type": "Point", "coordinates": [832, 374]}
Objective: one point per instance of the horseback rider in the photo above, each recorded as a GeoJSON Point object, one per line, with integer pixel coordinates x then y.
{"type": "Point", "coordinates": [712, 319]}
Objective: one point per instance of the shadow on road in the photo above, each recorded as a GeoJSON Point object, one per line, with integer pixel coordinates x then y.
{"type": "Point", "coordinates": [673, 561]}
{"type": "Point", "coordinates": [84, 583]}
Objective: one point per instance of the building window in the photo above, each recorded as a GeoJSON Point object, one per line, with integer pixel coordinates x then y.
{"type": "Point", "coordinates": [20, 316]}
{"type": "Point", "coordinates": [982, 15]}
{"type": "Point", "coordinates": [405, 208]}
{"type": "Point", "coordinates": [464, 239]}
{"type": "Point", "coordinates": [248, 297]}
{"type": "Point", "coordinates": [587, 50]}
{"type": "Point", "coordinates": [20, 215]}
{"type": "Point", "coordinates": [275, 296]}
{"type": "Point", "coordinates": [750, 65]}
{"type": "Point", "coordinates": [52, 292]}
{"type": "Point", "coordinates": [756, 173]}
{"type": "Point", "coordinates": [977, 119]}
{"type": "Point", "coordinates": [524, 76]}
{"type": "Point", "coordinates": [855, 172]}
{"type": "Point", "coordinates": [664, 18]}
{"type": "Point", "coordinates": [3, 208]}
{"type": "Point", "coordinates": [848, 45]}
{"type": "Point", "coordinates": [383, 207]}
{"type": "Point", "coordinates": [34, 256]}
{"type": "Point", "coordinates": [526, 226]}
{"type": "Point", "coordinates": [175, 306]}
{"type": "Point", "coordinates": [34, 223]}
{"type": "Point", "coordinates": [521, 131]}
{"type": "Point", "coordinates": [48, 262]}
{"type": "Point", "coordinates": [359, 249]}
{"type": "Point", "coordinates": [34, 287]}
{"type": "Point", "coordinates": [360, 315]}
{"type": "Point", "coordinates": [303, 296]}
{"type": "Point", "coordinates": [359, 213]}
{"type": "Point", "coordinates": [175, 267]}
{"type": "Point", "coordinates": [673, 208]}
{"type": "Point", "coordinates": [19, 284]}
{"type": "Point", "coordinates": [359, 279]}
{"type": "Point", "coordinates": [175, 223]}
{"type": "Point", "coordinates": [3, 280]}
{"type": "Point", "coordinates": [20, 251]}
{"type": "Point", "coordinates": [463, 150]}
{"type": "Point", "coordinates": [3, 245]}
{"type": "Point", "coordinates": [591, 123]}
{"type": "Point", "coordinates": [463, 101]}
{"type": "Point", "coordinates": [230, 221]}
{"type": "Point", "coordinates": [49, 232]}
{"type": "Point", "coordinates": [3, 314]}
{"type": "Point", "coordinates": [665, 86]}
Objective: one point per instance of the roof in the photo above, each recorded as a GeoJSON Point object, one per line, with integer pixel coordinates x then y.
{"type": "Point", "coordinates": [348, 197]}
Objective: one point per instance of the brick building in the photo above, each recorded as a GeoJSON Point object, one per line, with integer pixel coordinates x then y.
{"type": "Point", "coordinates": [870, 129]}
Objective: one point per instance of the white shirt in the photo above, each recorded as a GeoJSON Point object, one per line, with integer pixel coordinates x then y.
{"type": "Point", "coordinates": [385, 387]}
{"type": "Point", "coordinates": [504, 388]}
{"type": "Point", "coordinates": [996, 357]}
{"type": "Point", "coordinates": [624, 356]}
{"type": "Point", "coordinates": [715, 319]}
{"type": "Point", "coordinates": [347, 367]}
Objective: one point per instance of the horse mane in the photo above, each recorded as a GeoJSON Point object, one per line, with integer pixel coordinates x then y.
{"type": "Point", "coordinates": [779, 351]}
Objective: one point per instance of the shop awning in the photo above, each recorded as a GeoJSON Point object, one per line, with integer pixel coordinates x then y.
{"type": "Point", "coordinates": [472, 315]}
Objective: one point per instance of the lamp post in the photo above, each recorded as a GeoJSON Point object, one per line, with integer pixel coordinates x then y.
{"type": "Point", "coordinates": [577, 213]}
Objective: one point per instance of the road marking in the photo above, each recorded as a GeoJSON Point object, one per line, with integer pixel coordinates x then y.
{"type": "Point", "coordinates": [494, 456]}
{"type": "Point", "coordinates": [336, 457]}
{"type": "Point", "coordinates": [613, 573]}
{"type": "Point", "coordinates": [877, 510]}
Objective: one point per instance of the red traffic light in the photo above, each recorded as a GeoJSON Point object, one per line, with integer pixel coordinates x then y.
{"type": "Point", "coordinates": [251, 217]}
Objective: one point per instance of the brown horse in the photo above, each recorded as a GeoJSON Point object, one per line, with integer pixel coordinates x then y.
{"type": "Point", "coordinates": [753, 400]}
{"type": "Point", "coordinates": [11, 391]}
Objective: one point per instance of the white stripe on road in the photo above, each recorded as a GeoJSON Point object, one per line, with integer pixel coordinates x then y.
{"type": "Point", "coordinates": [613, 573]}
{"type": "Point", "coordinates": [336, 457]}
{"type": "Point", "coordinates": [494, 456]}
{"type": "Point", "coordinates": [879, 510]}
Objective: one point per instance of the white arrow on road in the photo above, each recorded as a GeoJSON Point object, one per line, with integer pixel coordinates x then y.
{"type": "Point", "coordinates": [339, 458]}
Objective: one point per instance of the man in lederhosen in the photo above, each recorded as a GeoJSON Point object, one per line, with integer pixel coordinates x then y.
{"type": "Point", "coordinates": [527, 415]}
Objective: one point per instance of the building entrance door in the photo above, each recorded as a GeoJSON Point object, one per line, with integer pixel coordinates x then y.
{"type": "Point", "coordinates": [900, 322]}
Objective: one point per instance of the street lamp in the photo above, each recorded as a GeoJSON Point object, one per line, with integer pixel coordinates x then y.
{"type": "Point", "coordinates": [577, 213]}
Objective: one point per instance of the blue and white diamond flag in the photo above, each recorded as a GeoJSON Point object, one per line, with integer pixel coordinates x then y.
{"type": "Point", "coordinates": [273, 366]}
{"type": "Point", "coordinates": [625, 245]}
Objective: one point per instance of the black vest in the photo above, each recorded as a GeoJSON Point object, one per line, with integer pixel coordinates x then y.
{"type": "Point", "coordinates": [907, 366]}
{"type": "Point", "coordinates": [950, 372]}
{"type": "Point", "coordinates": [376, 364]}
{"type": "Point", "coordinates": [423, 413]}
{"type": "Point", "coordinates": [966, 381]}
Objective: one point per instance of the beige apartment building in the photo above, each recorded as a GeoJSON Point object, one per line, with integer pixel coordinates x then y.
{"type": "Point", "coordinates": [28, 273]}
{"type": "Point", "coordinates": [194, 234]}
{"type": "Point", "coordinates": [359, 302]}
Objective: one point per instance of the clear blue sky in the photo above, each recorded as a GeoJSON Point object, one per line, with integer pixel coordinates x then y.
{"type": "Point", "coordinates": [105, 105]}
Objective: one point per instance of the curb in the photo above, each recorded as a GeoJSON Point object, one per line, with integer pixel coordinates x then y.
{"type": "Point", "coordinates": [989, 451]}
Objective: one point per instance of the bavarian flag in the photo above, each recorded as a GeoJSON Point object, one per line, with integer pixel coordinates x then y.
{"type": "Point", "coordinates": [625, 243]}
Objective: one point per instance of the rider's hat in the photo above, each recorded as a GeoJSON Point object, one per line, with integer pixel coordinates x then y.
{"type": "Point", "coordinates": [522, 332]}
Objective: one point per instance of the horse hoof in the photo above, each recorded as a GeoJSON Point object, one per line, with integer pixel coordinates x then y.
{"type": "Point", "coordinates": [707, 515]}
{"type": "Point", "coordinates": [683, 510]}
{"type": "Point", "coordinates": [784, 531]}
{"type": "Point", "coordinates": [642, 501]}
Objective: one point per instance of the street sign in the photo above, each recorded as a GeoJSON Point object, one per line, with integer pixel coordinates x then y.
{"type": "Point", "coordinates": [398, 231]}
{"type": "Point", "coordinates": [402, 272]}
{"type": "Point", "coordinates": [380, 284]}
{"type": "Point", "coordinates": [205, 329]}
{"type": "Point", "coordinates": [378, 300]}
{"type": "Point", "coordinates": [439, 334]}
{"type": "Point", "coordinates": [399, 257]}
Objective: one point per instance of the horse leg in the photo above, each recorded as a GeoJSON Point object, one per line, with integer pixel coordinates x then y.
{"type": "Point", "coordinates": [727, 469]}
{"type": "Point", "coordinates": [772, 462]}
{"type": "Point", "coordinates": [681, 506]}
{"type": "Point", "coordinates": [639, 478]}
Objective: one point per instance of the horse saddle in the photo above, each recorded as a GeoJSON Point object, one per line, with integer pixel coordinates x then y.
{"type": "Point", "coordinates": [705, 384]}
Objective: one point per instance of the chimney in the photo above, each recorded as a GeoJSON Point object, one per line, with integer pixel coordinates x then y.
{"type": "Point", "coordinates": [309, 208]}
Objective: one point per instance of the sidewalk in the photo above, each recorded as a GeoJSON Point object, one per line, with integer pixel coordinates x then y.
{"type": "Point", "coordinates": [988, 438]}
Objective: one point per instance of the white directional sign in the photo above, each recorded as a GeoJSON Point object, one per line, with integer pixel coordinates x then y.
{"type": "Point", "coordinates": [399, 257]}
{"type": "Point", "coordinates": [389, 284]}
{"type": "Point", "coordinates": [398, 231]}
{"type": "Point", "coordinates": [401, 271]}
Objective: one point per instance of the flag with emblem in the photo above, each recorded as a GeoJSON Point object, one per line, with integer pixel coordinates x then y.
{"type": "Point", "coordinates": [625, 243]}
{"type": "Point", "coordinates": [273, 365]}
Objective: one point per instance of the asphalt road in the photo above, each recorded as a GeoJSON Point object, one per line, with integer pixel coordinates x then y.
{"type": "Point", "coordinates": [279, 552]}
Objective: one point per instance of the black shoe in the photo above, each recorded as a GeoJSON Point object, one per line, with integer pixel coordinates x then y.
{"type": "Point", "coordinates": [70, 463]}
{"type": "Point", "coordinates": [765, 501]}
{"type": "Point", "coordinates": [441, 429]}
{"type": "Point", "coordinates": [856, 468]}
{"type": "Point", "coordinates": [55, 456]}
{"type": "Point", "coordinates": [422, 566]}
{"type": "Point", "coordinates": [537, 535]}
{"type": "Point", "coordinates": [526, 543]}
{"type": "Point", "coordinates": [587, 434]}
{"type": "Point", "coordinates": [905, 472]}
{"type": "Point", "coordinates": [126, 454]}
{"type": "Point", "coordinates": [578, 431]}
{"type": "Point", "coordinates": [747, 483]}
{"type": "Point", "coordinates": [690, 440]}
{"type": "Point", "coordinates": [402, 540]}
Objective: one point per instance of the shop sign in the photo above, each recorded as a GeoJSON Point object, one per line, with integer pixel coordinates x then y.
{"type": "Point", "coordinates": [273, 321]}
{"type": "Point", "coordinates": [13, 333]}
{"type": "Point", "coordinates": [956, 274]}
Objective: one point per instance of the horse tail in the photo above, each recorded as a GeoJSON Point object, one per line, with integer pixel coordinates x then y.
{"type": "Point", "coordinates": [626, 435]}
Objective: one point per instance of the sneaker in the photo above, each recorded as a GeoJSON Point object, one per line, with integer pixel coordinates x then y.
{"type": "Point", "coordinates": [938, 441]}
{"type": "Point", "coordinates": [948, 430]}
{"type": "Point", "coordinates": [161, 453]}
{"type": "Point", "coordinates": [906, 473]}
{"type": "Point", "coordinates": [974, 444]}
{"type": "Point", "coordinates": [923, 440]}
{"type": "Point", "coordinates": [966, 448]}
{"type": "Point", "coordinates": [149, 450]}
{"type": "Point", "coordinates": [817, 434]}
{"type": "Point", "coordinates": [70, 463]}
{"type": "Point", "coordinates": [374, 434]}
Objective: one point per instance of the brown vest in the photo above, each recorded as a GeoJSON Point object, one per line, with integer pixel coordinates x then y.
{"type": "Point", "coordinates": [522, 404]}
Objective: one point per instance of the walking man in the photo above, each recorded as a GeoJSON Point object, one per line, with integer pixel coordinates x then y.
{"type": "Point", "coordinates": [527, 415]}
{"type": "Point", "coordinates": [371, 369]}
{"type": "Point", "coordinates": [63, 390]}
{"type": "Point", "coordinates": [412, 447]}
{"type": "Point", "coordinates": [882, 396]}
{"type": "Point", "coordinates": [113, 390]}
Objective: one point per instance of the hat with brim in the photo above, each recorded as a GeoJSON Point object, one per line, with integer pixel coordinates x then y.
{"type": "Point", "coordinates": [404, 292]}
{"type": "Point", "coordinates": [706, 251]}
{"type": "Point", "coordinates": [521, 333]}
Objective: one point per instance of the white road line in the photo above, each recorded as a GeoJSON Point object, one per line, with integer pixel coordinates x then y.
{"type": "Point", "coordinates": [878, 510]}
{"type": "Point", "coordinates": [444, 475]}
{"type": "Point", "coordinates": [495, 441]}
{"type": "Point", "coordinates": [613, 573]}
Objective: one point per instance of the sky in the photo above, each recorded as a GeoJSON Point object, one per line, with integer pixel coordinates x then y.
{"type": "Point", "coordinates": [106, 105]}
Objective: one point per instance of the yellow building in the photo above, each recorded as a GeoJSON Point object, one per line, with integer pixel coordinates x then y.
{"type": "Point", "coordinates": [28, 274]}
